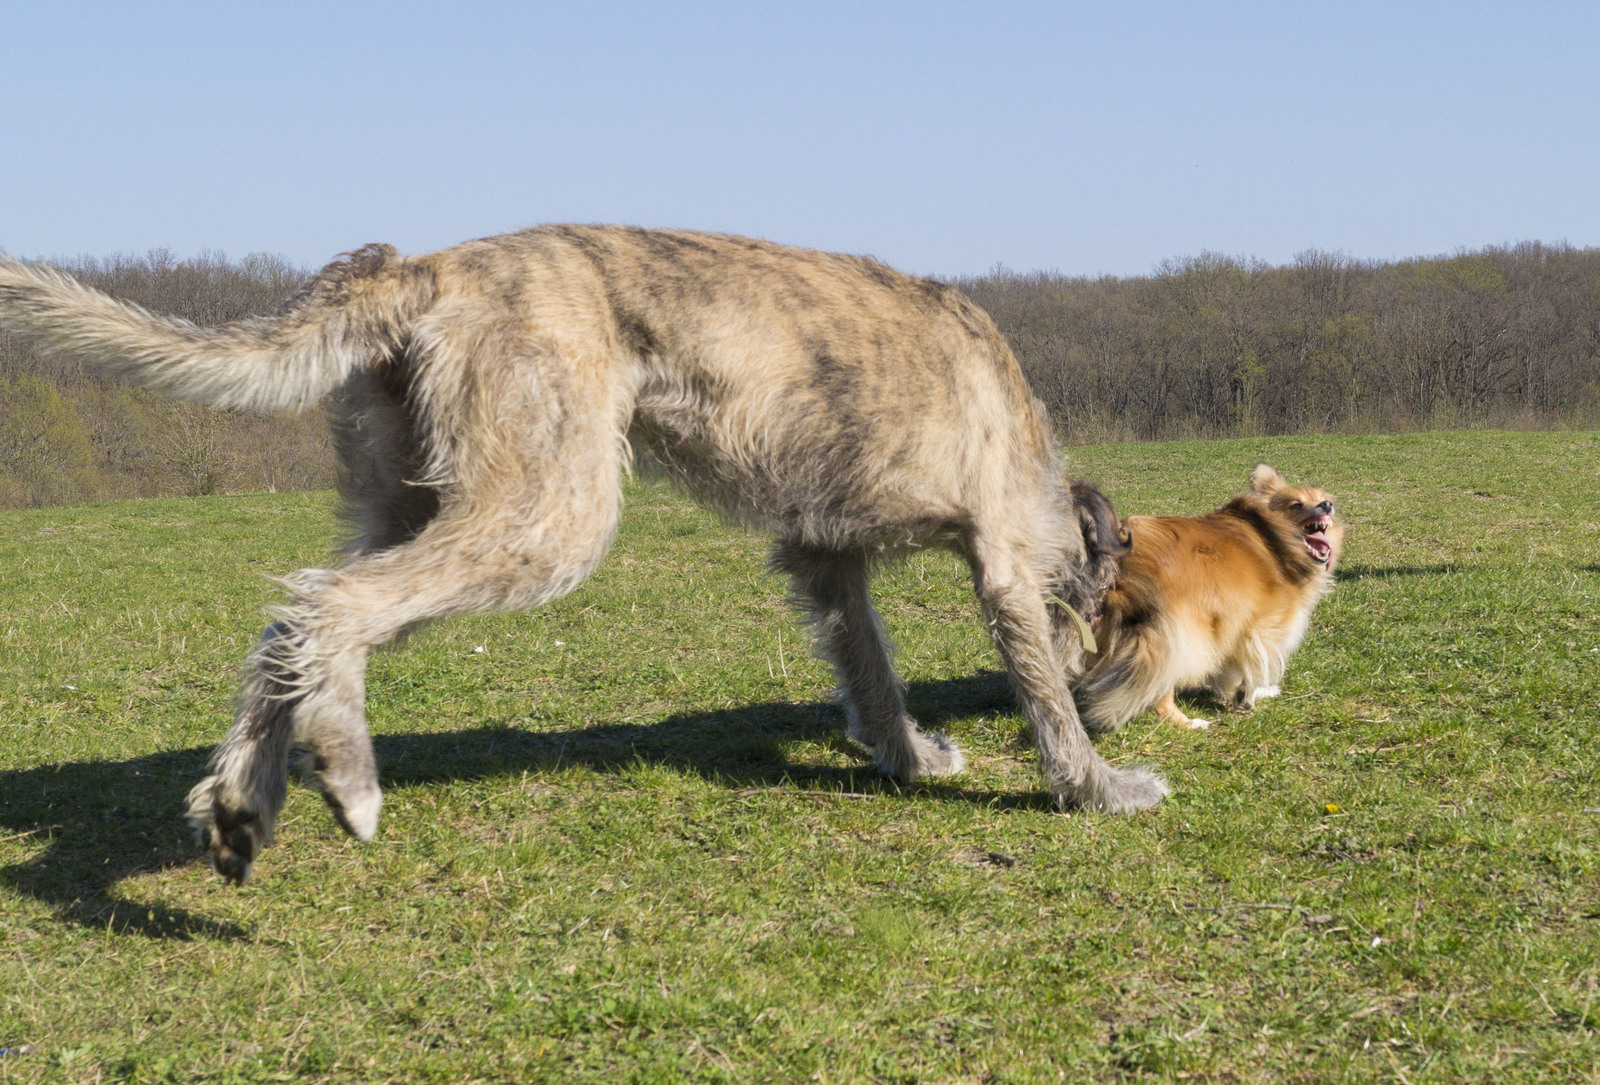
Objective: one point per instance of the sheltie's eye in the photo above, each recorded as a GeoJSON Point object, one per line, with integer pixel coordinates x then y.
{"type": "Point", "coordinates": [1297, 506]}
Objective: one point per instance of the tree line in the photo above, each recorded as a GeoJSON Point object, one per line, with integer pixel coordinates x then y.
{"type": "Point", "coordinates": [68, 434]}
{"type": "Point", "coordinates": [1215, 346]}
{"type": "Point", "coordinates": [1207, 346]}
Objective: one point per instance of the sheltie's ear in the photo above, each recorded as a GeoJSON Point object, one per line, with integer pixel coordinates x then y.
{"type": "Point", "coordinates": [1103, 533]}
{"type": "Point", "coordinates": [1264, 480]}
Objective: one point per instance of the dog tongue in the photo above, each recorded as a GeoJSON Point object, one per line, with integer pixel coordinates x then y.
{"type": "Point", "coordinates": [1319, 546]}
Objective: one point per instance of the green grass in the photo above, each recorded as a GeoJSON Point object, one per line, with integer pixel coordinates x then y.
{"type": "Point", "coordinates": [624, 841]}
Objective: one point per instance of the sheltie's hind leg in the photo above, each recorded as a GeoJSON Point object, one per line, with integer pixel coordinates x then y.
{"type": "Point", "coordinates": [1166, 707]}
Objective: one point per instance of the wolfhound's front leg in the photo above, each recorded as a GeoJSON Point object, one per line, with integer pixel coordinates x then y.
{"type": "Point", "coordinates": [1014, 602]}
{"type": "Point", "coordinates": [832, 587]}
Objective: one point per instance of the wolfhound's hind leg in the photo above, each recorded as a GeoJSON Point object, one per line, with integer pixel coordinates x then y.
{"type": "Point", "coordinates": [289, 690]}
{"type": "Point", "coordinates": [832, 587]}
{"type": "Point", "coordinates": [310, 671]}
{"type": "Point", "coordinates": [233, 809]}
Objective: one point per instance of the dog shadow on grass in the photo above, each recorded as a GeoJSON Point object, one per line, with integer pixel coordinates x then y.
{"type": "Point", "coordinates": [96, 823]}
{"type": "Point", "coordinates": [740, 747]}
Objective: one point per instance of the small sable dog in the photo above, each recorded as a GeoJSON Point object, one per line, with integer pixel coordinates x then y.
{"type": "Point", "coordinates": [1220, 600]}
{"type": "Point", "coordinates": [487, 399]}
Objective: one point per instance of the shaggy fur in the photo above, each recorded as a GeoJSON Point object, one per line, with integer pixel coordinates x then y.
{"type": "Point", "coordinates": [487, 399]}
{"type": "Point", "coordinates": [1220, 600]}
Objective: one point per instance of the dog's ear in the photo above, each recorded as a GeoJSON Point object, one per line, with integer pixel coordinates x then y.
{"type": "Point", "coordinates": [1103, 533]}
{"type": "Point", "coordinates": [1264, 480]}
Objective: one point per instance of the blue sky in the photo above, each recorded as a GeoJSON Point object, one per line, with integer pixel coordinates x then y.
{"type": "Point", "coordinates": [943, 138]}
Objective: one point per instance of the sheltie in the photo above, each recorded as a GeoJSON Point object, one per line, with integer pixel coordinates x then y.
{"type": "Point", "coordinates": [1218, 601]}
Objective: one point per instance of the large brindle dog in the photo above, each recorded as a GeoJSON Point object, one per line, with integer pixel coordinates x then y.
{"type": "Point", "coordinates": [487, 399]}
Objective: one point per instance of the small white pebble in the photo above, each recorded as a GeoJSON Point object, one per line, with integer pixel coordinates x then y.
{"type": "Point", "coordinates": [70, 687]}
{"type": "Point", "coordinates": [1376, 942]}
{"type": "Point", "coordinates": [559, 643]}
{"type": "Point", "coordinates": [479, 648]}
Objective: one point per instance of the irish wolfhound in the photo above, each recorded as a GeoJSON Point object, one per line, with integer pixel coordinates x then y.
{"type": "Point", "coordinates": [487, 399]}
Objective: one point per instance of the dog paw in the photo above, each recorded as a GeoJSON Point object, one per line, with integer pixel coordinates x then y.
{"type": "Point", "coordinates": [920, 755]}
{"type": "Point", "coordinates": [355, 809]}
{"type": "Point", "coordinates": [1267, 691]}
{"type": "Point", "coordinates": [1196, 724]}
{"type": "Point", "coordinates": [1115, 791]}
{"type": "Point", "coordinates": [232, 836]}
{"type": "Point", "coordinates": [938, 755]}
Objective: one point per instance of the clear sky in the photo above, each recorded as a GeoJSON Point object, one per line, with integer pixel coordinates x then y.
{"type": "Point", "coordinates": [944, 138]}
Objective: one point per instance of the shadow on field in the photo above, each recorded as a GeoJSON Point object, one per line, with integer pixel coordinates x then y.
{"type": "Point", "coordinates": [104, 821]}
{"type": "Point", "coordinates": [101, 822]}
{"type": "Point", "coordinates": [739, 747]}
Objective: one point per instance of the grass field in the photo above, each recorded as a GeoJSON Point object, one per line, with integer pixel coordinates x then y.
{"type": "Point", "coordinates": [624, 840]}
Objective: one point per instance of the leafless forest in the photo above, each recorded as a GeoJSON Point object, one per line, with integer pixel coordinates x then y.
{"type": "Point", "coordinates": [68, 435]}
{"type": "Point", "coordinates": [1214, 346]}
{"type": "Point", "coordinates": [1208, 346]}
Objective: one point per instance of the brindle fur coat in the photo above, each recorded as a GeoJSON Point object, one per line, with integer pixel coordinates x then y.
{"type": "Point", "coordinates": [487, 399]}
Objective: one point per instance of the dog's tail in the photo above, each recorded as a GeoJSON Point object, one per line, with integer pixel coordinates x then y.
{"type": "Point", "coordinates": [1128, 682]}
{"type": "Point", "coordinates": [1137, 657]}
{"type": "Point", "coordinates": [355, 312]}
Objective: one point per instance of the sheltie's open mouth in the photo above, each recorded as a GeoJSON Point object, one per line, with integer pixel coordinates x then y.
{"type": "Point", "coordinates": [1317, 544]}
